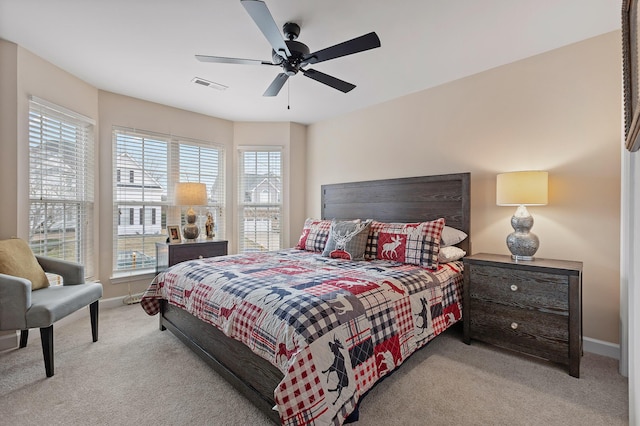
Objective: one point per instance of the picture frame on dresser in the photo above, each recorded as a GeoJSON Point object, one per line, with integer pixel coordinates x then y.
{"type": "Point", "coordinates": [174, 234]}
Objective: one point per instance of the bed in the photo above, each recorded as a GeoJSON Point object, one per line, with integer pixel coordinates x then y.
{"type": "Point", "coordinates": [296, 376]}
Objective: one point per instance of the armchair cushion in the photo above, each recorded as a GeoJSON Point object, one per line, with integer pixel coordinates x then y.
{"type": "Point", "coordinates": [17, 259]}
{"type": "Point", "coordinates": [58, 301]}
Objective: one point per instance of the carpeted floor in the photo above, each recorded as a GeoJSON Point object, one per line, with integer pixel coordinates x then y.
{"type": "Point", "coordinates": [123, 378]}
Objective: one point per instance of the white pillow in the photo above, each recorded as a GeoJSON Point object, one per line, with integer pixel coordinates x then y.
{"type": "Point", "coordinates": [451, 236]}
{"type": "Point", "coordinates": [450, 253]}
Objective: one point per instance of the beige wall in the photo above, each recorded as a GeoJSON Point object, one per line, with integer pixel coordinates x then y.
{"type": "Point", "coordinates": [8, 148]}
{"type": "Point", "coordinates": [23, 74]}
{"type": "Point", "coordinates": [292, 138]}
{"type": "Point", "coordinates": [558, 111]}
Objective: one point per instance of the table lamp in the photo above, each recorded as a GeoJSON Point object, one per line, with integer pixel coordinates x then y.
{"type": "Point", "coordinates": [191, 194]}
{"type": "Point", "coordinates": [529, 188]}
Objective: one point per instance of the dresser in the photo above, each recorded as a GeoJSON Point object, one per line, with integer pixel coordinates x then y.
{"type": "Point", "coordinates": [533, 307]}
{"type": "Point", "coordinates": [168, 254]}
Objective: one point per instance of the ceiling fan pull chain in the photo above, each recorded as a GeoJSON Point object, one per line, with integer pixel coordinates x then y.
{"type": "Point", "coordinates": [288, 94]}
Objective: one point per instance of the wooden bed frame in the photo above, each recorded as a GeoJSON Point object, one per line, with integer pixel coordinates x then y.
{"type": "Point", "coordinates": [414, 199]}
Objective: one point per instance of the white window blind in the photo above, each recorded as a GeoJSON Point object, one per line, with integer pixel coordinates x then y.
{"type": "Point", "coordinates": [140, 186]}
{"type": "Point", "coordinates": [146, 168]}
{"type": "Point", "coordinates": [61, 183]}
{"type": "Point", "coordinates": [204, 164]}
{"type": "Point", "coordinates": [260, 199]}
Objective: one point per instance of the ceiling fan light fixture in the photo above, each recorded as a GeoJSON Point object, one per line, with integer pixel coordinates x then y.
{"type": "Point", "coordinates": [209, 84]}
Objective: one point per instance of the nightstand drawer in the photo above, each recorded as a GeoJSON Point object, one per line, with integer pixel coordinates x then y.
{"type": "Point", "coordinates": [541, 334]}
{"type": "Point", "coordinates": [524, 289]}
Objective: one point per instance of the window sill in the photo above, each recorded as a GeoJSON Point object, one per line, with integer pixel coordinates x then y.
{"type": "Point", "coordinates": [128, 276]}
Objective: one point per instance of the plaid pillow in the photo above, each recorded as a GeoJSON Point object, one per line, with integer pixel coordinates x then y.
{"type": "Point", "coordinates": [412, 243]}
{"type": "Point", "coordinates": [314, 235]}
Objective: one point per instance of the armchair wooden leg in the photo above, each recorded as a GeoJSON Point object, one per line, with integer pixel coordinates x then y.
{"type": "Point", "coordinates": [46, 336]}
{"type": "Point", "coordinates": [93, 310]}
{"type": "Point", "coordinates": [24, 338]}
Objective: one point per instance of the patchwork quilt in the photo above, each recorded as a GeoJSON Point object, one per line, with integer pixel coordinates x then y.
{"type": "Point", "coordinates": [333, 327]}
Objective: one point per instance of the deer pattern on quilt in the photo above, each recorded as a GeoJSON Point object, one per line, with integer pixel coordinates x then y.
{"type": "Point", "coordinates": [338, 367]}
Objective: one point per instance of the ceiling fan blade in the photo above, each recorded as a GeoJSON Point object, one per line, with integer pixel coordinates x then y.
{"type": "Point", "coordinates": [262, 17]}
{"type": "Point", "coordinates": [276, 85]}
{"type": "Point", "coordinates": [358, 44]}
{"type": "Point", "coordinates": [223, 60]}
{"type": "Point", "coordinates": [336, 83]}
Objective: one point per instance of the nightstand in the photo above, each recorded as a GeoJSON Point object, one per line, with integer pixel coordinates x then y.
{"type": "Point", "coordinates": [168, 254]}
{"type": "Point", "coordinates": [533, 307]}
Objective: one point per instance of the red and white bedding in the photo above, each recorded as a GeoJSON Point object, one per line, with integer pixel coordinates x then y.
{"type": "Point", "coordinates": [333, 327]}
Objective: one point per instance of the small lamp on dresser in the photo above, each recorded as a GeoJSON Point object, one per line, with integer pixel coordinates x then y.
{"type": "Point", "coordinates": [528, 188]}
{"type": "Point", "coordinates": [191, 194]}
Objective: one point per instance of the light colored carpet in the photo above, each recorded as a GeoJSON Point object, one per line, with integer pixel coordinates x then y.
{"type": "Point", "coordinates": [138, 375]}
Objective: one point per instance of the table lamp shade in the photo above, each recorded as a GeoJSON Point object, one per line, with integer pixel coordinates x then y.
{"type": "Point", "coordinates": [522, 188]}
{"type": "Point", "coordinates": [191, 194]}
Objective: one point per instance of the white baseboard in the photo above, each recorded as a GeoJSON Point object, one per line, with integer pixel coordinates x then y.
{"type": "Point", "coordinates": [8, 341]}
{"type": "Point", "coordinates": [600, 347]}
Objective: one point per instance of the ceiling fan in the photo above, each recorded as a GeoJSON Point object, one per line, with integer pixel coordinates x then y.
{"type": "Point", "coordinates": [292, 55]}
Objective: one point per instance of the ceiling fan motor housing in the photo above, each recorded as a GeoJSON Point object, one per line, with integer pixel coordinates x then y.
{"type": "Point", "coordinates": [291, 65]}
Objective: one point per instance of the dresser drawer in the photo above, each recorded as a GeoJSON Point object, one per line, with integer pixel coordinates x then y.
{"type": "Point", "coordinates": [532, 290]}
{"type": "Point", "coordinates": [169, 254]}
{"type": "Point", "coordinates": [536, 333]}
{"type": "Point", "coordinates": [196, 251]}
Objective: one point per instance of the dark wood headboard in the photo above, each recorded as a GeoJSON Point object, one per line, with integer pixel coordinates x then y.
{"type": "Point", "coordinates": [414, 199]}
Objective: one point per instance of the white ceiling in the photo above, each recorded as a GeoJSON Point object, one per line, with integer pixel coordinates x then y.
{"type": "Point", "coordinates": [146, 48]}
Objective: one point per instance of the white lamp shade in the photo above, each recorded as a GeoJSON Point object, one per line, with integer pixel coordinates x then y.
{"type": "Point", "coordinates": [191, 194]}
{"type": "Point", "coordinates": [529, 188]}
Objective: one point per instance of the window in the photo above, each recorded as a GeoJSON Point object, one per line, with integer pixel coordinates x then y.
{"type": "Point", "coordinates": [61, 183]}
{"type": "Point", "coordinates": [155, 163]}
{"type": "Point", "coordinates": [260, 209]}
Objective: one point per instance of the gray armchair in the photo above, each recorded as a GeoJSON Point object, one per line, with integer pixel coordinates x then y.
{"type": "Point", "coordinates": [22, 309]}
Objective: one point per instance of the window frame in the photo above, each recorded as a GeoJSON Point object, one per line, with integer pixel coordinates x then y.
{"type": "Point", "coordinates": [244, 199]}
{"type": "Point", "coordinates": [49, 125]}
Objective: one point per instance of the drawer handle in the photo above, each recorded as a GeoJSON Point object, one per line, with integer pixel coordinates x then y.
{"type": "Point", "coordinates": [200, 257]}
{"type": "Point", "coordinates": [514, 287]}
{"type": "Point", "coordinates": [514, 325]}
